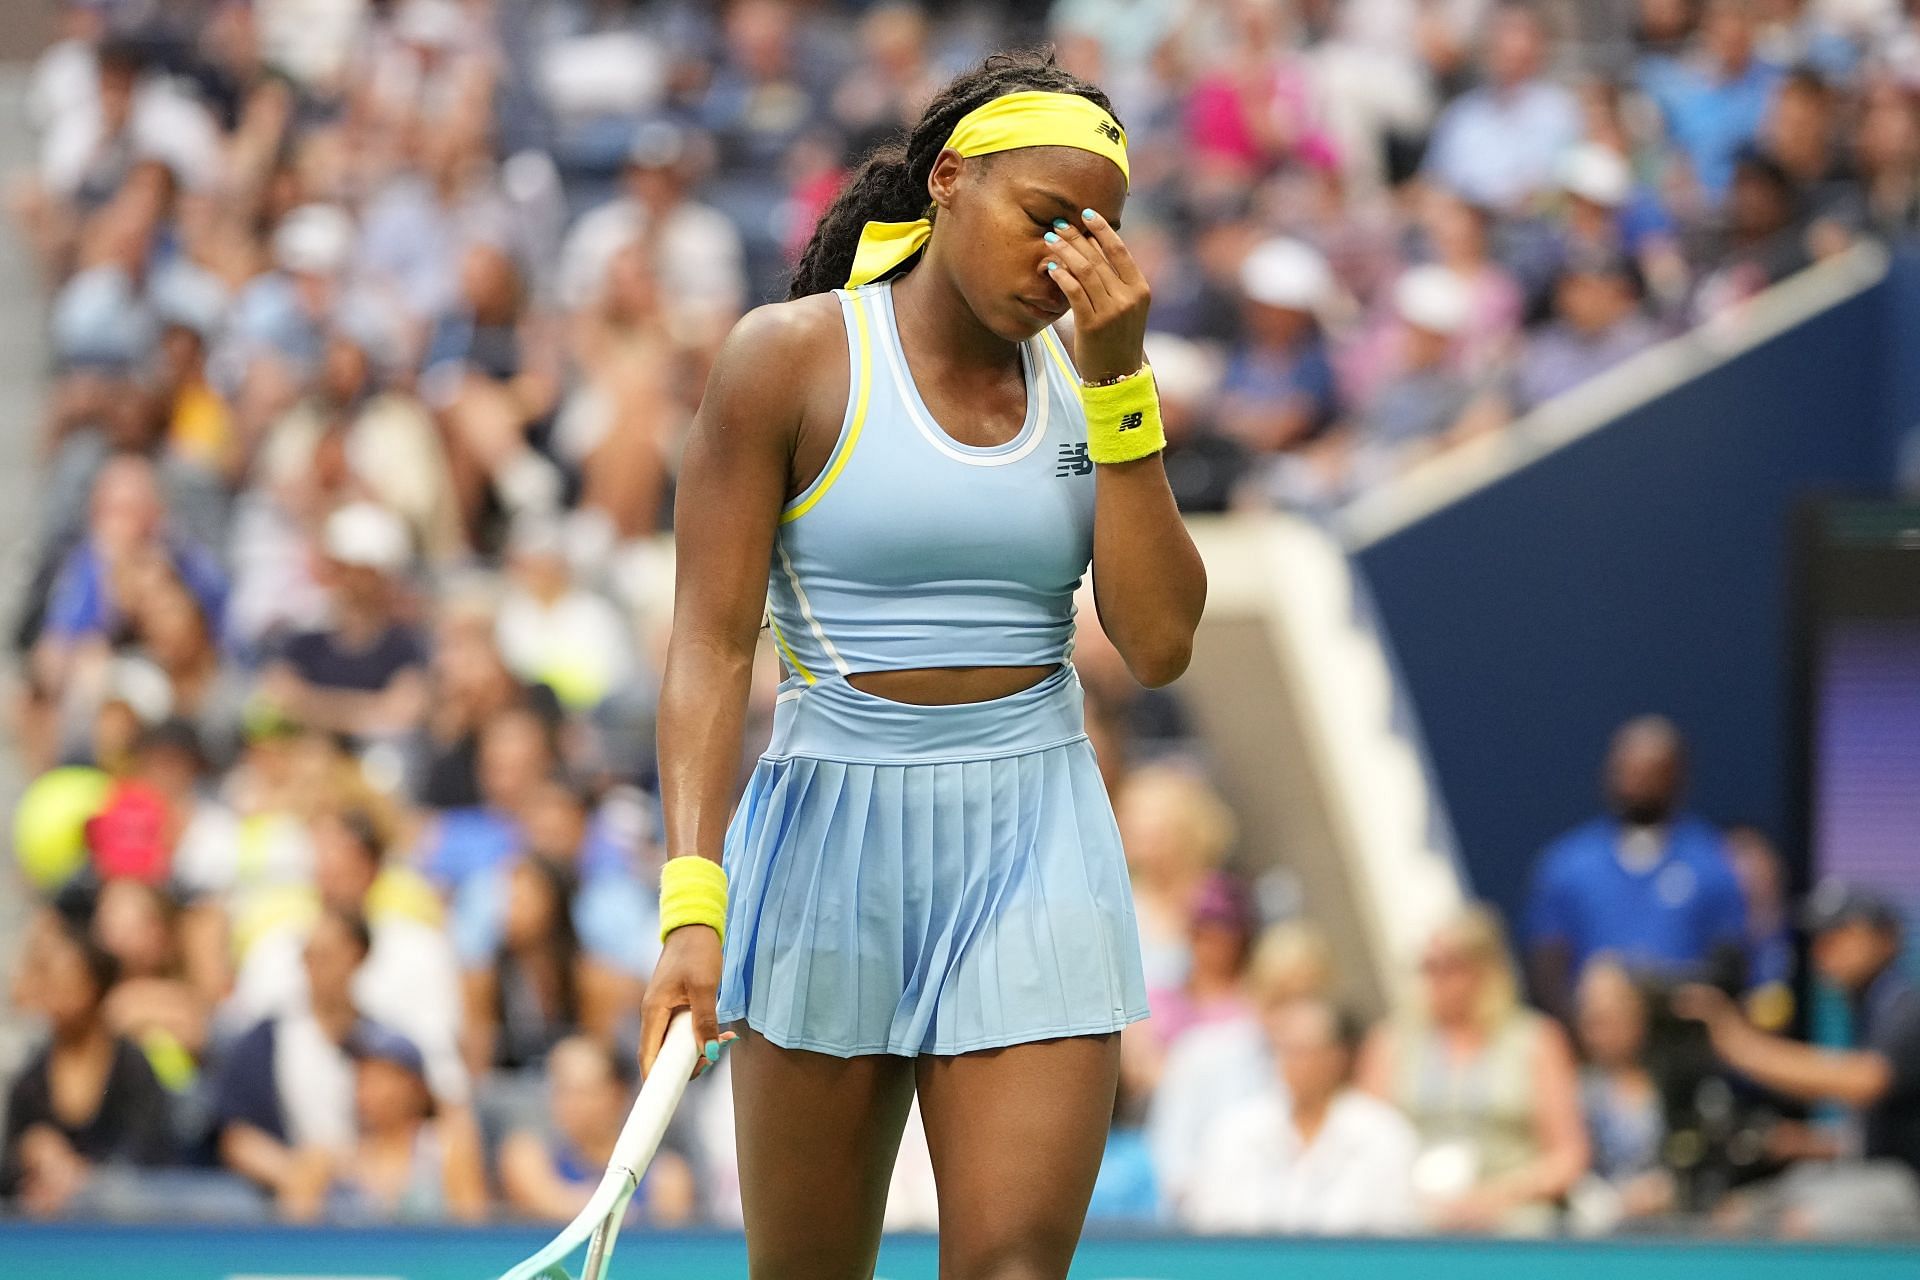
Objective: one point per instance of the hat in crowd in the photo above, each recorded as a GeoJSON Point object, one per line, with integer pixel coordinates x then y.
{"type": "Point", "coordinates": [1433, 298]}
{"type": "Point", "coordinates": [1185, 371]}
{"type": "Point", "coordinates": [315, 239]}
{"type": "Point", "coordinates": [1223, 899]}
{"type": "Point", "coordinates": [1834, 903]}
{"type": "Point", "coordinates": [1596, 174]}
{"type": "Point", "coordinates": [186, 297]}
{"type": "Point", "coordinates": [433, 23]}
{"type": "Point", "coordinates": [367, 535]}
{"type": "Point", "coordinates": [1286, 273]}
{"type": "Point", "coordinates": [371, 1042]}
{"type": "Point", "coordinates": [657, 144]}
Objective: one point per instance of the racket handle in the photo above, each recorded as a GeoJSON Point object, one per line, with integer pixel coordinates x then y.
{"type": "Point", "coordinates": [659, 1095]}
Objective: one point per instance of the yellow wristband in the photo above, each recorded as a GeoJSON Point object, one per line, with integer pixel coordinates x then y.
{"type": "Point", "coordinates": [693, 890]}
{"type": "Point", "coordinates": [1123, 418]}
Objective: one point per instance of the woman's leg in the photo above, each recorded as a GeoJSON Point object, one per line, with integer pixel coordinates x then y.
{"type": "Point", "coordinates": [817, 1136]}
{"type": "Point", "coordinates": [1016, 1136]}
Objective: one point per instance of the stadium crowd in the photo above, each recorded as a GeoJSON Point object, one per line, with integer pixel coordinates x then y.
{"type": "Point", "coordinates": [376, 325]}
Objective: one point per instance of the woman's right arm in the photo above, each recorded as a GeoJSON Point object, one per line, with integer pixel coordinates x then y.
{"type": "Point", "coordinates": [733, 483]}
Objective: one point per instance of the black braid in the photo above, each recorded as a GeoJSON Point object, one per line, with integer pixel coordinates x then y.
{"type": "Point", "coordinates": [891, 183]}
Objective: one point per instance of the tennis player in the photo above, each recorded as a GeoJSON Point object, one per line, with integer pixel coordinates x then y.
{"type": "Point", "coordinates": [906, 471]}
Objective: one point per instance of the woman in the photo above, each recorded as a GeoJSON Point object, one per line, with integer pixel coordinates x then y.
{"type": "Point", "coordinates": [1176, 830]}
{"type": "Point", "coordinates": [406, 1164]}
{"type": "Point", "coordinates": [550, 1175]}
{"type": "Point", "coordinates": [1626, 1116]}
{"type": "Point", "coordinates": [88, 1097]}
{"type": "Point", "coordinates": [541, 987]}
{"type": "Point", "coordinates": [928, 889]}
{"type": "Point", "coordinates": [1490, 1087]}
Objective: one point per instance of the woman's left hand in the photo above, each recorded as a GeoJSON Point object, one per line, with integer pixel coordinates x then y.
{"type": "Point", "coordinates": [1092, 268]}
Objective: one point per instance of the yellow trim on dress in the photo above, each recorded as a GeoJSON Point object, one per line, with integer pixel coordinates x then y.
{"type": "Point", "coordinates": [786, 650]}
{"type": "Point", "coordinates": [863, 366]}
{"type": "Point", "coordinates": [1051, 341]}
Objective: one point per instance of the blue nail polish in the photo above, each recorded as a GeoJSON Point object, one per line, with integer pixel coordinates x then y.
{"type": "Point", "coordinates": [1051, 238]}
{"type": "Point", "coordinates": [1060, 224]}
{"type": "Point", "coordinates": [713, 1051]}
{"type": "Point", "coordinates": [1088, 214]}
{"type": "Point", "coordinates": [1051, 266]}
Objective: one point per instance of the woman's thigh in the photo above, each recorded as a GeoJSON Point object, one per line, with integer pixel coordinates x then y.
{"type": "Point", "coordinates": [1016, 1136]}
{"type": "Point", "coordinates": [817, 1136]}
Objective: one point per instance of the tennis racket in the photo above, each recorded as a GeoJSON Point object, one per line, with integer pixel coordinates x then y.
{"type": "Point", "coordinates": [596, 1225]}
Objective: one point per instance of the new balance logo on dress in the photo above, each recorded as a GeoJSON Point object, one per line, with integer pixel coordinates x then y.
{"type": "Point", "coordinates": [1073, 461]}
{"type": "Point", "coordinates": [1130, 421]}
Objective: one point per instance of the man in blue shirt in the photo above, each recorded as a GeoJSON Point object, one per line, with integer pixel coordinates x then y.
{"type": "Point", "coordinates": [1649, 885]}
{"type": "Point", "coordinates": [1714, 105]}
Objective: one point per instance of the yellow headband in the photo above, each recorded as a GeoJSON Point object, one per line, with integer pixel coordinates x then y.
{"type": "Point", "coordinates": [1035, 118]}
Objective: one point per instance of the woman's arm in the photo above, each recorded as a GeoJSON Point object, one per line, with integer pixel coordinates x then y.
{"type": "Point", "coordinates": [1148, 580]}
{"type": "Point", "coordinates": [479, 994]}
{"type": "Point", "coordinates": [733, 482]}
{"type": "Point", "coordinates": [528, 1180]}
{"type": "Point", "coordinates": [1558, 1127]}
{"type": "Point", "coordinates": [463, 1168]}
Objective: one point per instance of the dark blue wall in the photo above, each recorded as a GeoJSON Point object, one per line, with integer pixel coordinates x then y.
{"type": "Point", "coordinates": [1643, 568]}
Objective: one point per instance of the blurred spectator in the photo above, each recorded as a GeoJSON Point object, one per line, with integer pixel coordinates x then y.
{"type": "Point", "coordinates": [1762, 242]}
{"type": "Point", "coordinates": [555, 633]}
{"type": "Point", "coordinates": [1278, 390]}
{"type": "Point", "coordinates": [549, 1173]}
{"type": "Point", "coordinates": [1203, 465]}
{"type": "Point", "coordinates": [410, 980]}
{"type": "Point", "coordinates": [1213, 1067]}
{"type": "Point", "coordinates": [1626, 1117]}
{"type": "Point", "coordinates": [539, 988]}
{"type": "Point", "coordinates": [1176, 832]}
{"type": "Point", "coordinates": [1715, 100]}
{"type": "Point", "coordinates": [1597, 324]}
{"type": "Point", "coordinates": [471, 686]}
{"type": "Point", "coordinates": [88, 1097]}
{"type": "Point", "coordinates": [1498, 144]}
{"type": "Point", "coordinates": [515, 755]}
{"type": "Point", "coordinates": [1856, 947]}
{"type": "Point", "coordinates": [1317, 1158]}
{"type": "Point", "coordinates": [701, 263]}
{"type": "Point", "coordinates": [1772, 961]}
{"type": "Point", "coordinates": [1221, 924]}
{"type": "Point", "coordinates": [286, 1086]}
{"type": "Point", "coordinates": [364, 675]}
{"type": "Point", "coordinates": [1649, 884]}
{"type": "Point", "coordinates": [151, 1003]}
{"type": "Point", "coordinates": [1491, 1088]}
{"type": "Point", "coordinates": [407, 1162]}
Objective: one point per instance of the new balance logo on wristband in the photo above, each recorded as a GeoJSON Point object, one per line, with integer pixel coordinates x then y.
{"type": "Point", "coordinates": [1130, 421]}
{"type": "Point", "coordinates": [1072, 461]}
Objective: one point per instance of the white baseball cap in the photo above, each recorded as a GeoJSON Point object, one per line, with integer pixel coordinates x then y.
{"type": "Point", "coordinates": [1287, 273]}
{"type": "Point", "coordinates": [315, 239]}
{"type": "Point", "coordinates": [1596, 174]}
{"type": "Point", "coordinates": [1433, 298]}
{"type": "Point", "coordinates": [1185, 371]}
{"type": "Point", "coordinates": [369, 536]}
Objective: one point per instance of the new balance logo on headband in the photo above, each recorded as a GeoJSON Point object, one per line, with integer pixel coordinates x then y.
{"type": "Point", "coordinates": [1130, 421]}
{"type": "Point", "coordinates": [1110, 129]}
{"type": "Point", "coordinates": [1073, 461]}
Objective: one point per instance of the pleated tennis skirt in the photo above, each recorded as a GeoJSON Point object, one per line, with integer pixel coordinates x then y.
{"type": "Point", "coordinates": [939, 880]}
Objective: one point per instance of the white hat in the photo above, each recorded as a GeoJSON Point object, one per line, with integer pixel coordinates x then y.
{"type": "Point", "coordinates": [315, 239]}
{"type": "Point", "coordinates": [1286, 273]}
{"type": "Point", "coordinates": [369, 536]}
{"type": "Point", "coordinates": [1597, 174]}
{"type": "Point", "coordinates": [1185, 371]}
{"type": "Point", "coordinates": [436, 23]}
{"type": "Point", "coordinates": [1433, 298]}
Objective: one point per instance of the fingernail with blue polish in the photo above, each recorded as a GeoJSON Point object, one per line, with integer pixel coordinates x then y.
{"type": "Point", "coordinates": [1052, 266]}
{"type": "Point", "coordinates": [1088, 214]}
{"type": "Point", "coordinates": [713, 1051]}
{"type": "Point", "coordinates": [1060, 224]}
{"type": "Point", "coordinates": [1051, 238]}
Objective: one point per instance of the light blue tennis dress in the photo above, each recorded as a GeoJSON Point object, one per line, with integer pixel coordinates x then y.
{"type": "Point", "coordinates": [909, 879]}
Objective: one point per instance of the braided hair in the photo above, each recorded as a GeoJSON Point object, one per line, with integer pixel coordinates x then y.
{"type": "Point", "coordinates": [891, 183]}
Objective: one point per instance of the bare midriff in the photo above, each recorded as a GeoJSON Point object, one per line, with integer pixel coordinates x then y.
{"type": "Point", "coordinates": [948, 686]}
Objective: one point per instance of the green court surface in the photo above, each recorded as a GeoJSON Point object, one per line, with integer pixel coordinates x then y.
{"type": "Point", "coordinates": [74, 1252]}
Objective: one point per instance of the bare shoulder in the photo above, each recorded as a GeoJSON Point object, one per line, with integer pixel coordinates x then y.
{"type": "Point", "coordinates": [772, 335]}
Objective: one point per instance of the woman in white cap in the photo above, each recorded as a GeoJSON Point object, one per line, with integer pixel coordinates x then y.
{"type": "Point", "coordinates": [1278, 391]}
